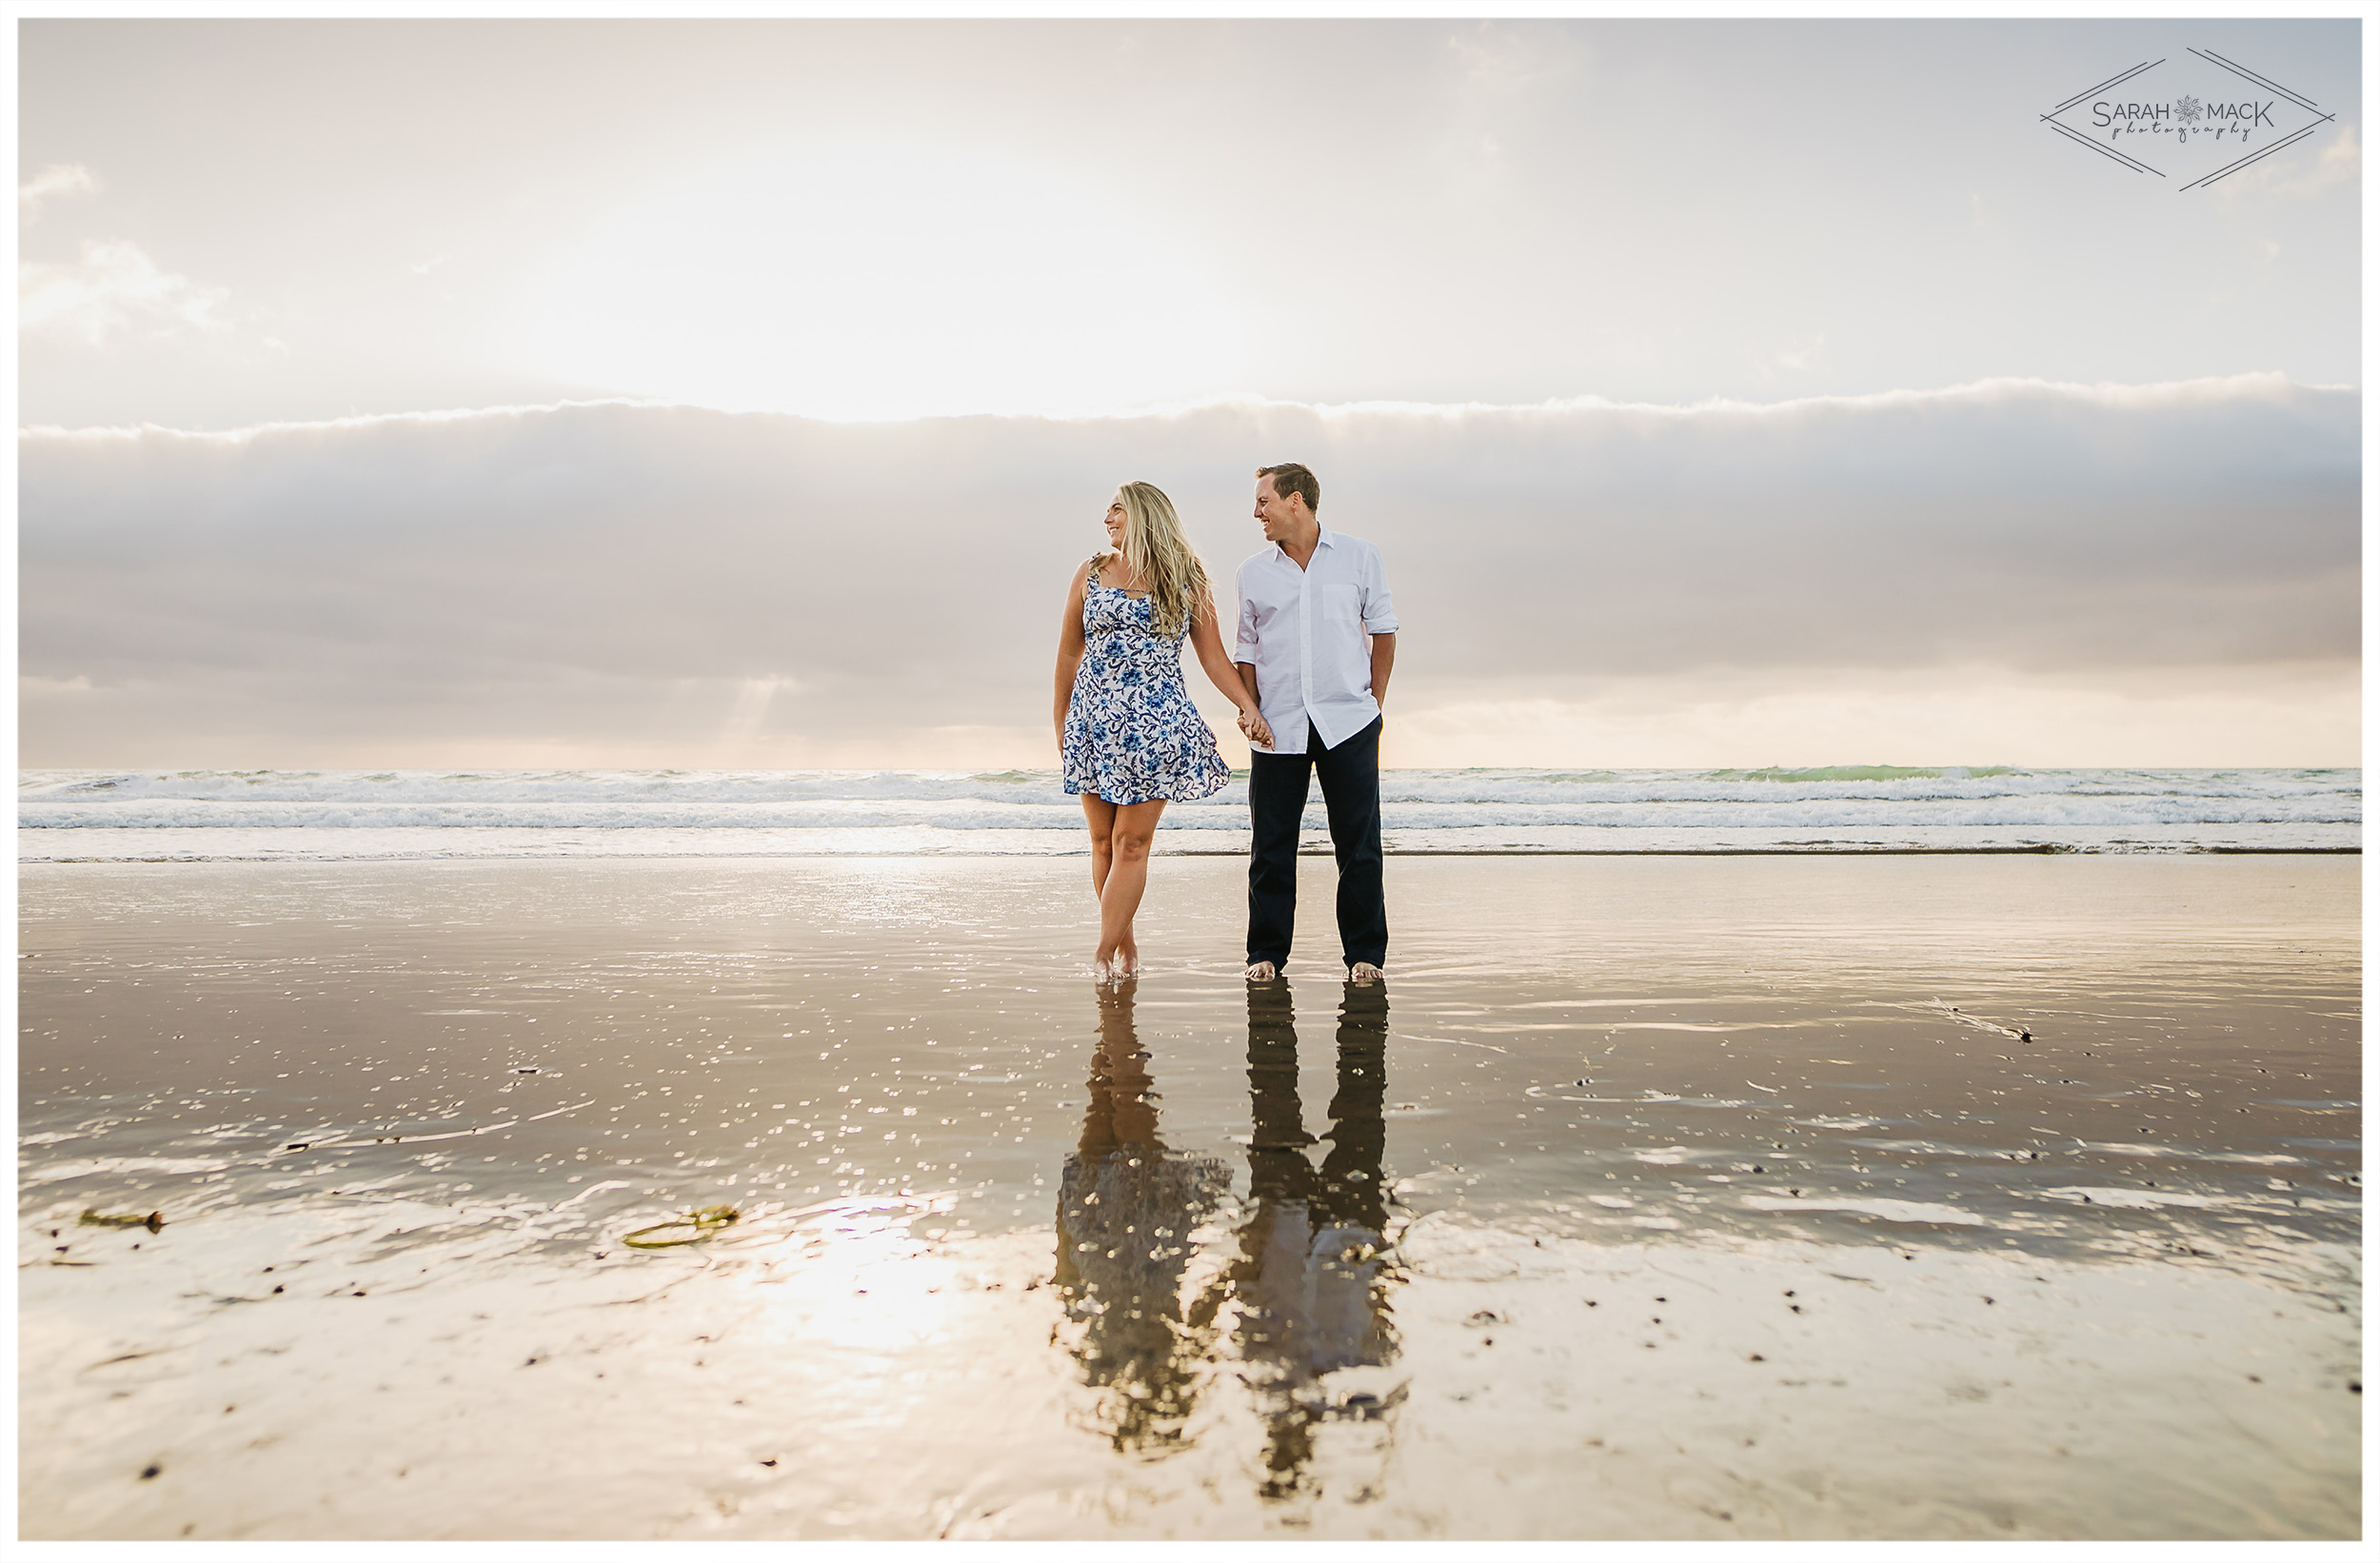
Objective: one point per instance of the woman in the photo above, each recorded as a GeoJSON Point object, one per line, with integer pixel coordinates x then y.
{"type": "Point", "coordinates": [1127, 1207]}
{"type": "Point", "coordinates": [1127, 734]}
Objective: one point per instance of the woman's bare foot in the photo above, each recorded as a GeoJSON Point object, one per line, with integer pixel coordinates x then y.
{"type": "Point", "coordinates": [1260, 971]}
{"type": "Point", "coordinates": [1363, 971]}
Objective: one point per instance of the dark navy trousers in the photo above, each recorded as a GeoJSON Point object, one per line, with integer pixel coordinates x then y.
{"type": "Point", "coordinates": [1350, 794]}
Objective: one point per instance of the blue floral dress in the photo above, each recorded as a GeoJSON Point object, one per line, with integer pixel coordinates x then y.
{"type": "Point", "coordinates": [1132, 734]}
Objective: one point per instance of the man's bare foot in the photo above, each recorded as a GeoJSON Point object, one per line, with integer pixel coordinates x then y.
{"type": "Point", "coordinates": [1363, 971]}
{"type": "Point", "coordinates": [1260, 971]}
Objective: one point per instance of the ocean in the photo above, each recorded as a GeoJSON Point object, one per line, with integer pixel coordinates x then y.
{"type": "Point", "coordinates": [77, 816]}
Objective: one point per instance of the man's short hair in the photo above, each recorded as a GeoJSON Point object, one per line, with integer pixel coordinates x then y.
{"type": "Point", "coordinates": [1289, 478]}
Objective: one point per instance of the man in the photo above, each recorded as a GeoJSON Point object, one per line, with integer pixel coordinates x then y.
{"type": "Point", "coordinates": [1318, 635]}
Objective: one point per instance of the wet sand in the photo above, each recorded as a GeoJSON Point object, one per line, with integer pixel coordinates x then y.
{"type": "Point", "coordinates": [1706, 1198]}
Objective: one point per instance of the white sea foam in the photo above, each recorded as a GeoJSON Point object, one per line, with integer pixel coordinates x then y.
{"type": "Point", "coordinates": [1891, 1210]}
{"type": "Point", "coordinates": [58, 1172]}
{"type": "Point", "coordinates": [202, 814]}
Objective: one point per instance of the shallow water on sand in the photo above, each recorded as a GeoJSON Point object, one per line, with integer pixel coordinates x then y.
{"type": "Point", "coordinates": [1722, 1198]}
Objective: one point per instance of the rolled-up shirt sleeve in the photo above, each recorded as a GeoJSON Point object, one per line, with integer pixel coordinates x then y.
{"type": "Point", "coordinates": [1379, 608]}
{"type": "Point", "coordinates": [1246, 651]}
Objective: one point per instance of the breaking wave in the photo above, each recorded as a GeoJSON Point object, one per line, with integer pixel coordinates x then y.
{"type": "Point", "coordinates": [1838, 808]}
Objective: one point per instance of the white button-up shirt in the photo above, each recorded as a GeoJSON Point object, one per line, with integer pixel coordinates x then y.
{"type": "Point", "coordinates": [1307, 633]}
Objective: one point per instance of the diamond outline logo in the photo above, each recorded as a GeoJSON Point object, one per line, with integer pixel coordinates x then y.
{"type": "Point", "coordinates": [2190, 111]}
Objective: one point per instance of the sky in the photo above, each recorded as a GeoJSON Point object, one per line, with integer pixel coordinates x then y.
{"type": "Point", "coordinates": [1719, 393]}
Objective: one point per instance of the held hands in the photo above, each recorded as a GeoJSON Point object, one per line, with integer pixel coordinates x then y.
{"type": "Point", "coordinates": [1254, 727]}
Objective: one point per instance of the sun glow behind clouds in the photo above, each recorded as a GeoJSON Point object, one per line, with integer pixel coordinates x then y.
{"type": "Point", "coordinates": [866, 279]}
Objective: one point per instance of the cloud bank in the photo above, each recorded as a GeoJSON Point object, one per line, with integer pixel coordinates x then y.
{"type": "Point", "coordinates": [619, 582]}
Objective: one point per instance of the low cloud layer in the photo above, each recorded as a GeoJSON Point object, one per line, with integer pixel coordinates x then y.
{"type": "Point", "coordinates": [602, 583]}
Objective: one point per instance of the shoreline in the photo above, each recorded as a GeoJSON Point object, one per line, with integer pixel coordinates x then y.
{"type": "Point", "coordinates": [2045, 850]}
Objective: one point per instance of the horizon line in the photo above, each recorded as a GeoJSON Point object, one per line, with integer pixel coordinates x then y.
{"type": "Point", "coordinates": [2249, 382]}
{"type": "Point", "coordinates": [2005, 767]}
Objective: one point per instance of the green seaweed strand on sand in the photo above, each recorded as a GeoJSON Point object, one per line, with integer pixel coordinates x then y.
{"type": "Point", "coordinates": [698, 1224]}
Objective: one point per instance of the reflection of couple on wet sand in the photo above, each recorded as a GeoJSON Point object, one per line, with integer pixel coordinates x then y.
{"type": "Point", "coordinates": [1315, 639]}
{"type": "Point", "coordinates": [1297, 1291]}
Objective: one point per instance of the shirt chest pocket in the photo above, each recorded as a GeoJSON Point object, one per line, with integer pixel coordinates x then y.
{"type": "Point", "coordinates": [1341, 604]}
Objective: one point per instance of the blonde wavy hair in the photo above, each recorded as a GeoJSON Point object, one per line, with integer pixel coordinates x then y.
{"type": "Point", "coordinates": [1155, 549]}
